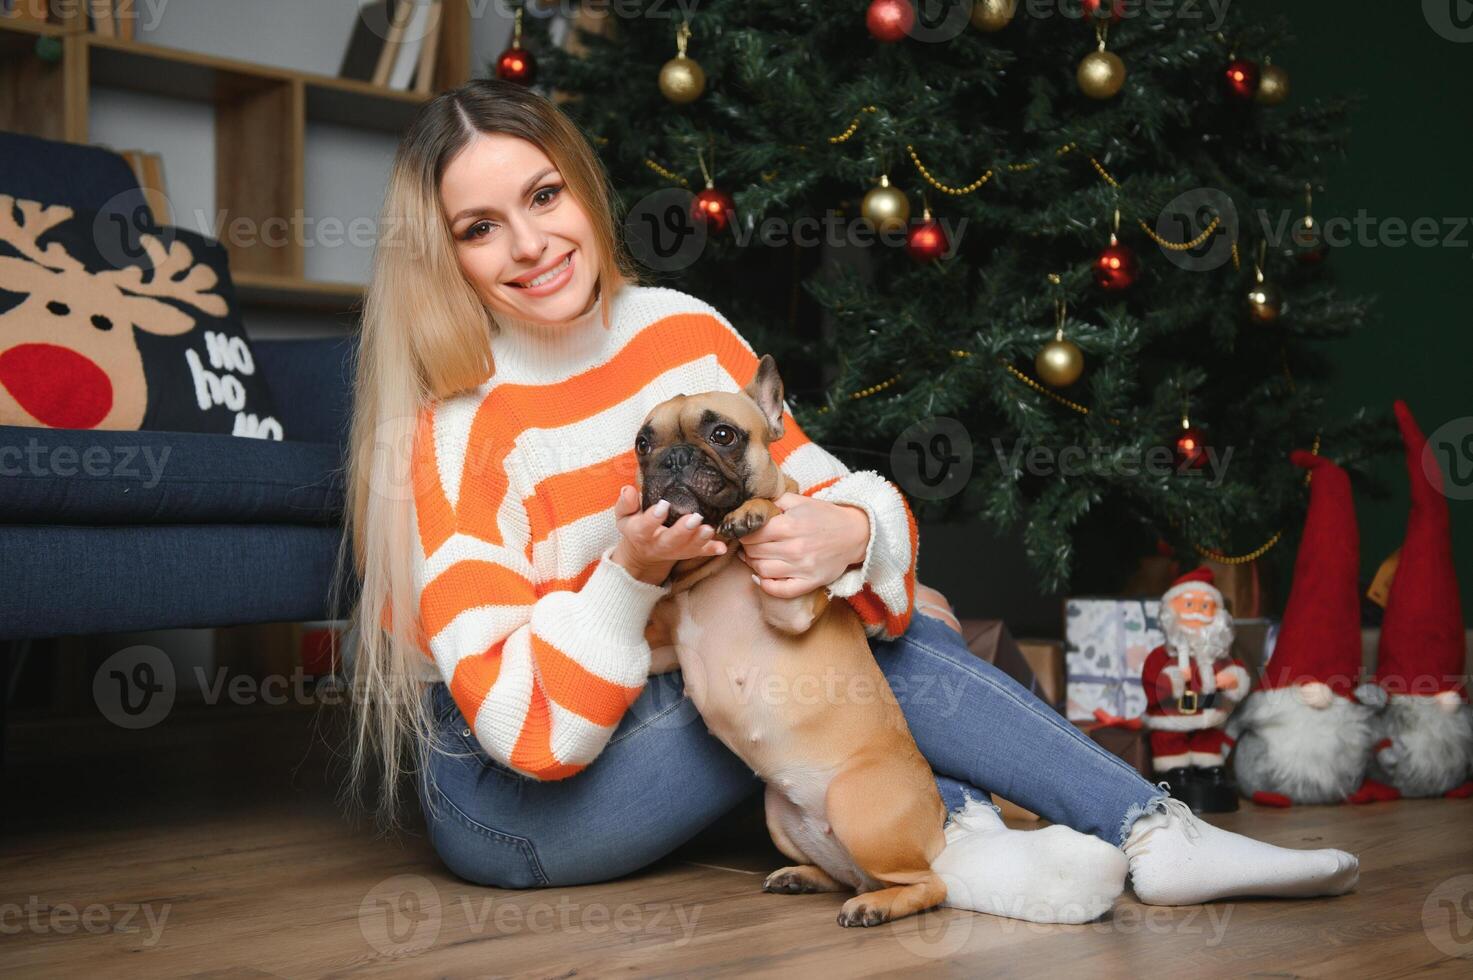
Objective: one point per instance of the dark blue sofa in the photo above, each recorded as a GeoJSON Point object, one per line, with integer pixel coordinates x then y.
{"type": "Point", "coordinates": [226, 531]}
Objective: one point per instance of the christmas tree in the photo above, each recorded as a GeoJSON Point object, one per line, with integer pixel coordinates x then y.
{"type": "Point", "coordinates": [1077, 239]}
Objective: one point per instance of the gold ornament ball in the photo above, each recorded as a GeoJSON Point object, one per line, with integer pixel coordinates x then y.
{"type": "Point", "coordinates": [993, 15]}
{"type": "Point", "coordinates": [1060, 363]}
{"type": "Point", "coordinates": [885, 207]}
{"type": "Point", "coordinates": [1101, 74]}
{"type": "Point", "coordinates": [1273, 86]}
{"type": "Point", "coordinates": [1265, 303]}
{"type": "Point", "coordinates": [682, 80]}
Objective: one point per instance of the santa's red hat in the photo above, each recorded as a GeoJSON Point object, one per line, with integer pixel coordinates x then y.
{"type": "Point", "coordinates": [1198, 579]}
{"type": "Point", "coordinates": [1319, 640]}
{"type": "Point", "coordinates": [1422, 644]}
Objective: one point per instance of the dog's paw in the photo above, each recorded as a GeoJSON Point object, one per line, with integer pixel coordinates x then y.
{"type": "Point", "coordinates": [742, 522]}
{"type": "Point", "coordinates": [860, 911]}
{"type": "Point", "coordinates": [787, 882]}
{"type": "Point", "coordinates": [797, 880]}
{"type": "Point", "coordinates": [800, 879]}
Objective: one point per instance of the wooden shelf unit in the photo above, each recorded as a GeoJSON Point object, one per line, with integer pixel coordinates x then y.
{"type": "Point", "coordinates": [261, 116]}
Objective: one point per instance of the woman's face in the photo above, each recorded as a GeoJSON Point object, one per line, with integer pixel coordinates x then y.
{"type": "Point", "coordinates": [523, 242]}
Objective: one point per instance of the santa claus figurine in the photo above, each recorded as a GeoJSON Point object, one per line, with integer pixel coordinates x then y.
{"type": "Point", "coordinates": [1425, 729]}
{"type": "Point", "coordinates": [1303, 737]}
{"type": "Point", "coordinates": [1192, 683]}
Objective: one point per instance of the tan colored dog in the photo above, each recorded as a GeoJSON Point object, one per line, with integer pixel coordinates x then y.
{"type": "Point", "coordinates": [791, 685]}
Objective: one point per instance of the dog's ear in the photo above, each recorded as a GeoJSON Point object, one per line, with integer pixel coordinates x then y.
{"type": "Point", "coordinates": [766, 389]}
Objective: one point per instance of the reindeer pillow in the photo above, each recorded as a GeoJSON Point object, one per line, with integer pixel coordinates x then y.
{"type": "Point", "coordinates": [104, 328]}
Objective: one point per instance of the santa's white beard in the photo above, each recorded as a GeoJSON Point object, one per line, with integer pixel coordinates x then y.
{"type": "Point", "coordinates": [1432, 748]}
{"type": "Point", "coordinates": [1206, 642]}
{"type": "Point", "coordinates": [1309, 754]}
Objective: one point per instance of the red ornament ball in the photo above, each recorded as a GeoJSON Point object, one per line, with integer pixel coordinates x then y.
{"type": "Point", "coordinates": [1191, 447]}
{"type": "Point", "coordinates": [1096, 10]}
{"type": "Point", "coordinates": [517, 65]}
{"type": "Point", "coordinates": [714, 207]}
{"type": "Point", "coordinates": [890, 20]}
{"type": "Point", "coordinates": [1241, 79]}
{"type": "Point", "coordinates": [1308, 243]}
{"type": "Point", "coordinates": [1117, 267]}
{"type": "Point", "coordinates": [926, 241]}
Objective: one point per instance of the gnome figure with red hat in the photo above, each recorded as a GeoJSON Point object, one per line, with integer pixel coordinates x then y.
{"type": "Point", "coordinates": [1192, 683]}
{"type": "Point", "coordinates": [1425, 729]}
{"type": "Point", "coordinates": [1303, 737]}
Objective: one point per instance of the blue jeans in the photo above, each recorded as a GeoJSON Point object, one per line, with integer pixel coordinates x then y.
{"type": "Point", "coordinates": [663, 777]}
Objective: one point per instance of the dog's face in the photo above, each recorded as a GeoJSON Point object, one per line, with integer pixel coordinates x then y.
{"type": "Point", "coordinates": [708, 453]}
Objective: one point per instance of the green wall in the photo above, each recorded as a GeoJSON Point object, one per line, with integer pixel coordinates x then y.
{"type": "Point", "coordinates": [1410, 156]}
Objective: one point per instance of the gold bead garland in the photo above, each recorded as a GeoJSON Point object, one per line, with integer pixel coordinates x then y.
{"type": "Point", "coordinates": [667, 174]}
{"type": "Point", "coordinates": [854, 125]}
{"type": "Point", "coordinates": [1245, 559]}
{"type": "Point", "coordinates": [873, 389]}
{"type": "Point", "coordinates": [1207, 233]}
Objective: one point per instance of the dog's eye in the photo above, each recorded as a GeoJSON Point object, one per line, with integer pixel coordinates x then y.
{"type": "Point", "coordinates": [641, 445]}
{"type": "Point", "coordinates": [723, 435]}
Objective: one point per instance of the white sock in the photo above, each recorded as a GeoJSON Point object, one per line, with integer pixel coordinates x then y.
{"type": "Point", "coordinates": [1050, 875]}
{"type": "Point", "coordinates": [1176, 859]}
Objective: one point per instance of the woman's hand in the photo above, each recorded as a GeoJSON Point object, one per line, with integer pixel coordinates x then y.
{"type": "Point", "coordinates": [647, 548]}
{"type": "Point", "coordinates": [809, 545]}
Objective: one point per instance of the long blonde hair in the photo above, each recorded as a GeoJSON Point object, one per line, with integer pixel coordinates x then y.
{"type": "Point", "coordinates": [426, 335]}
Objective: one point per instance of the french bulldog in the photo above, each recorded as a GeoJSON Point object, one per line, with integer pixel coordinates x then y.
{"type": "Point", "coordinates": [792, 688]}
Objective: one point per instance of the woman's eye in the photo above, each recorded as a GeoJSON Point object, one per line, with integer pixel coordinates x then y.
{"type": "Point", "coordinates": [551, 191]}
{"type": "Point", "coordinates": [478, 230]}
{"type": "Point", "coordinates": [723, 435]}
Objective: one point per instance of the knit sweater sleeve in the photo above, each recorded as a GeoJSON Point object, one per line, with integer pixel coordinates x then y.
{"type": "Point", "coordinates": [882, 588]}
{"type": "Point", "coordinates": [543, 672]}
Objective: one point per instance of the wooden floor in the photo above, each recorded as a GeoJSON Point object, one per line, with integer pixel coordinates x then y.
{"type": "Point", "coordinates": [212, 846]}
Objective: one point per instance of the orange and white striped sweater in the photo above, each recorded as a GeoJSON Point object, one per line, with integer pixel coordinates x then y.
{"type": "Point", "coordinates": [537, 631]}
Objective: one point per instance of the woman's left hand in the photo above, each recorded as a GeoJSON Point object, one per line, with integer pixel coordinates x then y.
{"type": "Point", "coordinates": [806, 547]}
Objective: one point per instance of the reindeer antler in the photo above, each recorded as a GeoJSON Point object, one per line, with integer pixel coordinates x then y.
{"type": "Point", "coordinates": [35, 220]}
{"type": "Point", "coordinates": [174, 275]}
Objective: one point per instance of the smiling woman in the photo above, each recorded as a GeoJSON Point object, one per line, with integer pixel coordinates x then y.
{"type": "Point", "coordinates": [491, 189]}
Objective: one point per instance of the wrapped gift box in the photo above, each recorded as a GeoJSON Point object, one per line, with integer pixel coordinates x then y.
{"type": "Point", "coordinates": [1106, 642]}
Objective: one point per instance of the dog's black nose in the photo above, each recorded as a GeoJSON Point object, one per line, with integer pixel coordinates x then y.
{"type": "Point", "coordinates": [677, 458]}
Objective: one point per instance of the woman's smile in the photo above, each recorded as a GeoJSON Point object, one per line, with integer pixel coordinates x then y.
{"type": "Point", "coordinates": [548, 279]}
